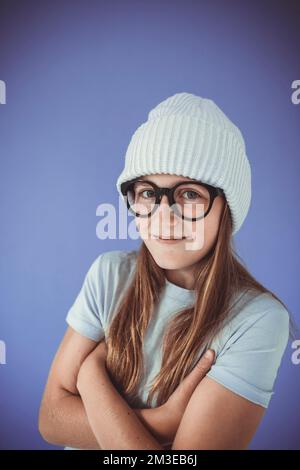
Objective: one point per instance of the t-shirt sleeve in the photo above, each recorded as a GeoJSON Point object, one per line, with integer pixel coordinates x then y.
{"type": "Point", "coordinates": [86, 314]}
{"type": "Point", "coordinates": [250, 359]}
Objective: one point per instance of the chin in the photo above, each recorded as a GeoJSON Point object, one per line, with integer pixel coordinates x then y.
{"type": "Point", "coordinates": [167, 261]}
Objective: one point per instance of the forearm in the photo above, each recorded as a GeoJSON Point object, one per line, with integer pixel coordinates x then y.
{"type": "Point", "coordinates": [65, 423]}
{"type": "Point", "coordinates": [114, 424]}
{"type": "Point", "coordinates": [68, 424]}
{"type": "Point", "coordinates": [161, 426]}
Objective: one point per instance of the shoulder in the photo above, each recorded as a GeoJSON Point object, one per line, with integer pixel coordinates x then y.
{"type": "Point", "coordinates": [113, 263]}
{"type": "Point", "coordinates": [111, 274]}
{"type": "Point", "coordinates": [105, 281]}
{"type": "Point", "coordinates": [260, 317]}
{"type": "Point", "coordinates": [250, 347]}
{"type": "Point", "coordinates": [262, 307]}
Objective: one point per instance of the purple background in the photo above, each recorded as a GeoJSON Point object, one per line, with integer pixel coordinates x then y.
{"type": "Point", "coordinates": [81, 77]}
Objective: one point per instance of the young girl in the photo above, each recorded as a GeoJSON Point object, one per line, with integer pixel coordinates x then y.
{"type": "Point", "coordinates": [187, 180]}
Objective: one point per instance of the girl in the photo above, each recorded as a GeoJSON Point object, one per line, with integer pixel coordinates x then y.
{"type": "Point", "coordinates": [187, 180]}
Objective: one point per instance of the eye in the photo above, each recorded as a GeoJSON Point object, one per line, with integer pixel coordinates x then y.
{"type": "Point", "coordinates": [146, 191]}
{"type": "Point", "coordinates": [193, 194]}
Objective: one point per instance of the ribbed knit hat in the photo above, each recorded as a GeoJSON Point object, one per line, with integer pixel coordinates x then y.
{"type": "Point", "coordinates": [187, 135]}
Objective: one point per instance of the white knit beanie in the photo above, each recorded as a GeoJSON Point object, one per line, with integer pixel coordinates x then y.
{"type": "Point", "coordinates": [187, 135]}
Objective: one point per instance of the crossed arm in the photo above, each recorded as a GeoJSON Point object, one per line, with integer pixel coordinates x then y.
{"type": "Point", "coordinates": [114, 423]}
{"type": "Point", "coordinates": [63, 420]}
{"type": "Point", "coordinates": [213, 417]}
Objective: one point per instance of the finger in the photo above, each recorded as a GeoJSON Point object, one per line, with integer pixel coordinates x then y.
{"type": "Point", "coordinates": [199, 371]}
{"type": "Point", "coordinates": [204, 364]}
{"type": "Point", "coordinates": [206, 360]}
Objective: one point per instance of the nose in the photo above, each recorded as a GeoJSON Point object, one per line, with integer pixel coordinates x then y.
{"type": "Point", "coordinates": [164, 205]}
{"type": "Point", "coordinates": [164, 220]}
{"type": "Point", "coordinates": [165, 213]}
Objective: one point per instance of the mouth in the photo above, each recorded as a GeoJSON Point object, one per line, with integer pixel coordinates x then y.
{"type": "Point", "coordinates": [168, 239]}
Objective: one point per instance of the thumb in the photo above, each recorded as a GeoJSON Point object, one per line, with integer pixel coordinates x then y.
{"type": "Point", "coordinates": [200, 370]}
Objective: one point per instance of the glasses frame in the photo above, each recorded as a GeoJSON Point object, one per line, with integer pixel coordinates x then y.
{"type": "Point", "coordinates": [169, 192]}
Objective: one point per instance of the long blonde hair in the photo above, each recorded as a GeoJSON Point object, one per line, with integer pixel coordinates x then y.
{"type": "Point", "coordinates": [220, 276]}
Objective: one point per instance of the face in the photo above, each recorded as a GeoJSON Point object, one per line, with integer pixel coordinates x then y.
{"type": "Point", "coordinates": [178, 258]}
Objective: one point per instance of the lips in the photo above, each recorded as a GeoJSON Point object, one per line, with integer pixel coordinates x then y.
{"type": "Point", "coordinates": [163, 238]}
{"type": "Point", "coordinates": [168, 238]}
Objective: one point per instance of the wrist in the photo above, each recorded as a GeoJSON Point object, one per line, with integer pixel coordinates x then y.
{"type": "Point", "coordinates": [172, 418]}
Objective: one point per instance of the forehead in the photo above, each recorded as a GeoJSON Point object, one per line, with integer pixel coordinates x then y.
{"type": "Point", "coordinates": [165, 179]}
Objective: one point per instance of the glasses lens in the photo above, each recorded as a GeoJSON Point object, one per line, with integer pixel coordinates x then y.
{"type": "Point", "coordinates": [141, 198]}
{"type": "Point", "coordinates": [192, 200]}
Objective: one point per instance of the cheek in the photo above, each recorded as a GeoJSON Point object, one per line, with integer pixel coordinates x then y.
{"type": "Point", "coordinates": [143, 227]}
{"type": "Point", "coordinates": [196, 233]}
{"type": "Point", "coordinates": [203, 234]}
{"type": "Point", "coordinates": [211, 227]}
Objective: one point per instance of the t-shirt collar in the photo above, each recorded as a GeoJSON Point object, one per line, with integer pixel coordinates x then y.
{"type": "Point", "coordinates": [179, 293]}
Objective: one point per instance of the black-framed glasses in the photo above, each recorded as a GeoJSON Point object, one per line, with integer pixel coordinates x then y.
{"type": "Point", "coordinates": [190, 200]}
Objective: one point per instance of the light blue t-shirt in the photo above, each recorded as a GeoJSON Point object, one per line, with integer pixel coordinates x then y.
{"type": "Point", "coordinates": [248, 349]}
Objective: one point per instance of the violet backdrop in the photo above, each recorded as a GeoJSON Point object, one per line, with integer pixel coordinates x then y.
{"type": "Point", "coordinates": [80, 78]}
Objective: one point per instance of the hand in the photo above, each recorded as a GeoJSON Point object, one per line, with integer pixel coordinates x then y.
{"type": "Point", "coordinates": [176, 404]}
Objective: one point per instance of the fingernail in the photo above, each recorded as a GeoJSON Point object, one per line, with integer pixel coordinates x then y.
{"type": "Point", "coordinates": [208, 354]}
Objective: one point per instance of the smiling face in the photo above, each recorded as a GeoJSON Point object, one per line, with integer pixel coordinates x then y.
{"type": "Point", "coordinates": [178, 258]}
